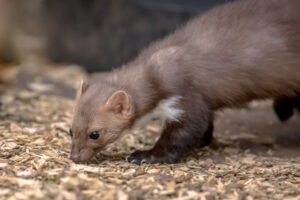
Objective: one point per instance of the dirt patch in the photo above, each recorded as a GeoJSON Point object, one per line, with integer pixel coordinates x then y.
{"type": "Point", "coordinates": [253, 156]}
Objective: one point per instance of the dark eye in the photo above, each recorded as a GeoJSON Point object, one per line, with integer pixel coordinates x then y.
{"type": "Point", "coordinates": [94, 135]}
{"type": "Point", "coordinates": [71, 133]}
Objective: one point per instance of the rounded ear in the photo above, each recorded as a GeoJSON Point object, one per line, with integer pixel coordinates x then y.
{"type": "Point", "coordinates": [82, 88]}
{"type": "Point", "coordinates": [119, 103]}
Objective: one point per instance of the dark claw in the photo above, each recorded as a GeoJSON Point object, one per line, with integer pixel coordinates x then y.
{"type": "Point", "coordinates": [138, 157]}
{"type": "Point", "coordinates": [135, 161]}
{"type": "Point", "coordinates": [149, 157]}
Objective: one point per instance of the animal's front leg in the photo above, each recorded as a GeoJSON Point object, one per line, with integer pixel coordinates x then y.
{"type": "Point", "coordinates": [177, 139]}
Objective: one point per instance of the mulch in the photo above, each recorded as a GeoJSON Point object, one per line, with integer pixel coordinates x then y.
{"type": "Point", "coordinates": [35, 146]}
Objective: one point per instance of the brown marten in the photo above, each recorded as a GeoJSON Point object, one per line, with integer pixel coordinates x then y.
{"type": "Point", "coordinates": [237, 52]}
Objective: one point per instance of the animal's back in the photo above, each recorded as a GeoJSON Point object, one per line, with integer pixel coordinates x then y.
{"type": "Point", "coordinates": [244, 50]}
{"type": "Point", "coordinates": [233, 53]}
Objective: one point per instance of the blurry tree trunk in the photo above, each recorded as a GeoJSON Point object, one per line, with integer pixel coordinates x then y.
{"type": "Point", "coordinates": [9, 10]}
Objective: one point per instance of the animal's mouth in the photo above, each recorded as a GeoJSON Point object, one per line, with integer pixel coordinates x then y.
{"type": "Point", "coordinates": [85, 155]}
{"type": "Point", "coordinates": [81, 160]}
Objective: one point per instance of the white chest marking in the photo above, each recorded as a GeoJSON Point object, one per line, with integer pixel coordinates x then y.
{"type": "Point", "coordinates": [166, 110]}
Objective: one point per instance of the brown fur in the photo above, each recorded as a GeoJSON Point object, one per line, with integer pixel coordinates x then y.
{"type": "Point", "coordinates": [237, 52]}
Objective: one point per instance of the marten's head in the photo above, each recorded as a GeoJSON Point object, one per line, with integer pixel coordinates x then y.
{"type": "Point", "coordinates": [101, 114]}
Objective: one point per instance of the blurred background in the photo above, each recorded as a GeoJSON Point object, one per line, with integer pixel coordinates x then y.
{"type": "Point", "coordinates": [95, 34]}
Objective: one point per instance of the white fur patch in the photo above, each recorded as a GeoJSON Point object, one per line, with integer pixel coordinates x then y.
{"type": "Point", "coordinates": [166, 110]}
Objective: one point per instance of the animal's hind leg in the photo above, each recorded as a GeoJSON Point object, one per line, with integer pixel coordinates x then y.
{"type": "Point", "coordinates": [284, 108]}
{"type": "Point", "coordinates": [297, 103]}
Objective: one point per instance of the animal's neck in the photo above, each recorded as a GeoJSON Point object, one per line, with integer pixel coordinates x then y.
{"type": "Point", "coordinates": [143, 86]}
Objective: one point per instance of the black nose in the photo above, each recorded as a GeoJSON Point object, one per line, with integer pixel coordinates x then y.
{"type": "Point", "coordinates": [75, 158]}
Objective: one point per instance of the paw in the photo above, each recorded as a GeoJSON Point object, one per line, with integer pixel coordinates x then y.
{"type": "Point", "coordinates": [150, 157]}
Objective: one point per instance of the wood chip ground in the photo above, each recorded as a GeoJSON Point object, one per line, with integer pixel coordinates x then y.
{"type": "Point", "coordinates": [34, 149]}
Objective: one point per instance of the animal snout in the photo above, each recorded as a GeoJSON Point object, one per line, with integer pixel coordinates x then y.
{"type": "Point", "coordinates": [75, 158]}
